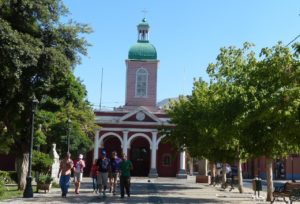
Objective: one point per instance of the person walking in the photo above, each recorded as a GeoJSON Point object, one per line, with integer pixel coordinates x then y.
{"type": "Point", "coordinates": [65, 168]}
{"type": "Point", "coordinates": [103, 167]}
{"type": "Point", "coordinates": [113, 171]}
{"type": "Point", "coordinates": [78, 171]}
{"type": "Point", "coordinates": [94, 176]}
{"type": "Point", "coordinates": [125, 168]}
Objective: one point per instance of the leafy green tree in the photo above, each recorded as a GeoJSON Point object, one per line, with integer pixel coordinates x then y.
{"type": "Point", "coordinates": [203, 124]}
{"type": "Point", "coordinates": [268, 87]}
{"type": "Point", "coordinates": [37, 56]}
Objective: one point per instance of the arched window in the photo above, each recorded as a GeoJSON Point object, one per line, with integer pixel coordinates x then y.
{"type": "Point", "coordinates": [141, 86]}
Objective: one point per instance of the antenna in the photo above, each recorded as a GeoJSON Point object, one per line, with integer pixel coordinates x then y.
{"type": "Point", "coordinates": [184, 80]}
{"type": "Point", "coordinates": [101, 88]}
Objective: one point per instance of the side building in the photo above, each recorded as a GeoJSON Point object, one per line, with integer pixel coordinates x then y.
{"type": "Point", "coordinates": [133, 128]}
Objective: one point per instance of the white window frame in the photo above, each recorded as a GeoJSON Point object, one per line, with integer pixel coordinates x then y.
{"type": "Point", "coordinates": [141, 72]}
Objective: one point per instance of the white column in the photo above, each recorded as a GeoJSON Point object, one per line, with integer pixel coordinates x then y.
{"type": "Point", "coordinates": [153, 171]}
{"type": "Point", "coordinates": [96, 144]}
{"type": "Point", "coordinates": [182, 171]}
{"type": "Point", "coordinates": [182, 160]}
{"type": "Point", "coordinates": [153, 150]}
{"type": "Point", "coordinates": [125, 145]}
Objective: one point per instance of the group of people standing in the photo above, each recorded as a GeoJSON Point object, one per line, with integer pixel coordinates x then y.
{"type": "Point", "coordinates": [103, 170]}
{"type": "Point", "coordinates": [110, 169]}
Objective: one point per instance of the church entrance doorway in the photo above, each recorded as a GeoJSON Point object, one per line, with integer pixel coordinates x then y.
{"type": "Point", "coordinates": [111, 144]}
{"type": "Point", "coordinates": [140, 157]}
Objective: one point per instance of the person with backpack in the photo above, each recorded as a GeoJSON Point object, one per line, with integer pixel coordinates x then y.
{"type": "Point", "coordinates": [103, 168]}
{"type": "Point", "coordinates": [114, 171]}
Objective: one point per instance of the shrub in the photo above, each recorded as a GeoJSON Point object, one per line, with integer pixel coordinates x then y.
{"type": "Point", "coordinates": [45, 178]}
{"type": "Point", "coordinates": [41, 162]}
{"type": "Point", "coordinates": [12, 177]}
{"type": "Point", "coordinates": [3, 180]}
{"type": "Point", "coordinates": [4, 176]}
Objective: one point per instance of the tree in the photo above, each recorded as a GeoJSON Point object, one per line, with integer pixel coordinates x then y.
{"type": "Point", "coordinates": [203, 124]}
{"type": "Point", "coordinates": [250, 108]}
{"type": "Point", "coordinates": [269, 89]}
{"type": "Point", "coordinates": [37, 56]}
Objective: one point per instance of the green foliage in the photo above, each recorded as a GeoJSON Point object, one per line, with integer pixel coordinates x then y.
{"type": "Point", "coordinates": [38, 54]}
{"type": "Point", "coordinates": [13, 177]}
{"type": "Point", "coordinates": [45, 178]}
{"type": "Point", "coordinates": [41, 162]}
{"type": "Point", "coordinates": [3, 181]}
{"type": "Point", "coordinates": [249, 108]}
{"type": "Point", "coordinates": [8, 177]}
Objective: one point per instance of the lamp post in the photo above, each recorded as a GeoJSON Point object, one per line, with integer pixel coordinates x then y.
{"type": "Point", "coordinates": [28, 193]}
{"type": "Point", "coordinates": [69, 121]}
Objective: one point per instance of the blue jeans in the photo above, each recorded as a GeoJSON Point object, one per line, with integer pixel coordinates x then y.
{"type": "Point", "coordinates": [95, 184]}
{"type": "Point", "coordinates": [64, 183]}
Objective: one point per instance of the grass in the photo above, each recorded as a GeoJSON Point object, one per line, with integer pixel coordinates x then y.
{"type": "Point", "coordinates": [11, 192]}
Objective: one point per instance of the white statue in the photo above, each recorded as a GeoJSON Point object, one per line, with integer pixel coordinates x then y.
{"type": "Point", "coordinates": [55, 165]}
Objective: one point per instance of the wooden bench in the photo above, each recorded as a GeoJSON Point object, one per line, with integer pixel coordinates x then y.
{"type": "Point", "coordinates": [290, 190]}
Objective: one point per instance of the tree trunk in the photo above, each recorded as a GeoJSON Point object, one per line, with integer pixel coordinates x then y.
{"type": "Point", "coordinates": [213, 172]}
{"type": "Point", "coordinates": [269, 168]}
{"type": "Point", "coordinates": [205, 167]}
{"type": "Point", "coordinates": [191, 166]}
{"type": "Point", "coordinates": [22, 170]}
{"type": "Point", "coordinates": [240, 177]}
{"type": "Point", "coordinates": [224, 174]}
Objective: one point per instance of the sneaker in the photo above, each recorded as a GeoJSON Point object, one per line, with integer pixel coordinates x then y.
{"type": "Point", "coordinates": [114, 192]}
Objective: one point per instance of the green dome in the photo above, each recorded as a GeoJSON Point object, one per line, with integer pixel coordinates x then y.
{"type": "Point", "coordinates": [142, 50]}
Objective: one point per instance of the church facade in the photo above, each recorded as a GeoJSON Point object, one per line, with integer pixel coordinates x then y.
{"type": "Point", "coordinates": [133, 128]}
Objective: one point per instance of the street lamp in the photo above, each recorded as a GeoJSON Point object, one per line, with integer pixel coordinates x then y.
{"type": "Point", "coordinates": [28, 193]}
{"type": "Point", "coordinates": [69, 121]}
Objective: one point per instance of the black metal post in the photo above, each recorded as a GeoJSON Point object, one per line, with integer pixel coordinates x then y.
{"type": "Point", "coordinates": [69, 130]}
{"type": "Point", "coordinates": [28, 193]}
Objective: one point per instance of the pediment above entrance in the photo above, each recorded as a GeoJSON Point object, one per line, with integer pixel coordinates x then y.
{"type": "Point", "coordinates": [140, 115]}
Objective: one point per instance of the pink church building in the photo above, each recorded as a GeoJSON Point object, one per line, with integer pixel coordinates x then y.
{"type": "Point", "coordinates": [133, 128]}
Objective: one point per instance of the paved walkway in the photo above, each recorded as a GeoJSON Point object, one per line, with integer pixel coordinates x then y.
{"type": "Point", "coordinates": [145, 190]}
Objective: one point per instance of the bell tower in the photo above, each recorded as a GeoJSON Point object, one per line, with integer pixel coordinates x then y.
{"type": "Point", "coordinates": [141, 70]}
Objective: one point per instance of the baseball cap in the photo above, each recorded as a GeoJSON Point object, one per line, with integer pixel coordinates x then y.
{"type": "Point", "coordinates": [80, 156]}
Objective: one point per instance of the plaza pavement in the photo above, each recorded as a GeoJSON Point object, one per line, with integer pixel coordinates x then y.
{"type": "Point", "coordinates": [145, 190]}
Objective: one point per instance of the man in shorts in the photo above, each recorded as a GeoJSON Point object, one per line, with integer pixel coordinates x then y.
{"type": "Point", "coordinates": [114, 171]}
{"type": "Point", "coordinates": [78, 171]}
{"type": "Point", "coordinates": [103, 167]}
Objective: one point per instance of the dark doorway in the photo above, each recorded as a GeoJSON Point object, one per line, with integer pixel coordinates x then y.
{"type": "Point", "coordinates": [111, 144]}
{"type": "Point", "coordinates": [140, 157]}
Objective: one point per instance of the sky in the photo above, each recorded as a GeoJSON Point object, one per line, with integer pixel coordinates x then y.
{"type": "Point", "coordinates": [187, 35]}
